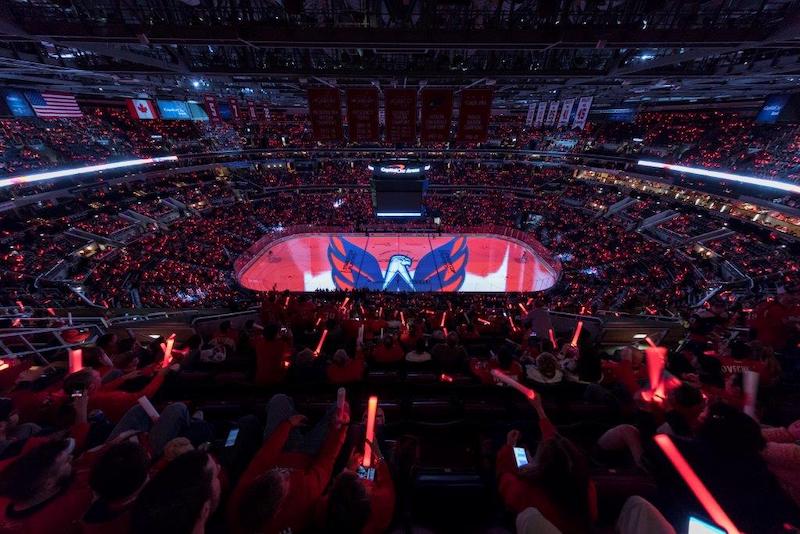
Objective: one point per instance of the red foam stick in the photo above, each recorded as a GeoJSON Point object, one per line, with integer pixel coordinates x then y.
{"type": "Point", "coordinates": [402, 319]}
{"type": "Point", "coordinates": [372, 410]}
{"type": "Point", "coordinates": [699, 489]}
{"type": "Point", "coordinates": [4, 366]}
{"type": "Point", "coordinates": [319, 320]}
{"type": "Point", "coordinates": [521, 307]}
{"type": "Point", "coordinates": [167, 348]}
{"type": "Point", "coordinates": [483, 321]}
{"type": "Point", "coordinates": [344, 304]}
{"type": "Point", "coordinates": [552, 337]}
{"type": "Point", "coordinates": [286, 302]}
{"type": "Point", "coordinates": [75, 360]}
{"type": "Point", "coordinates": [321, 341]}
{"type": "Point", "coordinates": [511, 322]}
{"type": "Point", "coordinates": [577, 334]}
{"type": "Point", "coordinates": [656, 360]}
{"type": "Point", "coordinates": [444, 318]}
{"type": "Point", "coordinates": [502, 377]}
{"type": "Point", "coordinates": [650, 341]}
{"type": "Point", "coordinates": [380, 312]}
{"type": "Point", "coordinates": [20, 305]}
{"type": "Point", "coordinates": [446, 378]}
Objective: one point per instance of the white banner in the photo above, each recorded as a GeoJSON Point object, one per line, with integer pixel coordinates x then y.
{"type": "Point", "coordinates": [566, 110]}
{"type": "Point", "coordinates": [582, 113]}
{"type": "Point", "coordinates": [540, 113]}
{"type": "Point", "coordinates": [552, 113]}
{"type": "Point", "coordinates": [531, 114]}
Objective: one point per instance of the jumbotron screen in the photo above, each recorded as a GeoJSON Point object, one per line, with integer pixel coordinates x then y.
{"type": "Point", "coordinates": [398, 262]}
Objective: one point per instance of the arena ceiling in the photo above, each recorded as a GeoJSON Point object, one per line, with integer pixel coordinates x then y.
{"type": "Point", "coordinates": [621, 51]}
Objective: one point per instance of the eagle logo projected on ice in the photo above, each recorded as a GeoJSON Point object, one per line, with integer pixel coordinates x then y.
{"type": "Point", "coordinates": [442, 269]}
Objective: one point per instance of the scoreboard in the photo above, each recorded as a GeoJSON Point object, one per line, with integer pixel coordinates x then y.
{"type": "Point", "coordinates": [398, 187]}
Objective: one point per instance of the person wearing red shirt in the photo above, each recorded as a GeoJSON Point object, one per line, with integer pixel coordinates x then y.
{"type": "Point", "coordinates": [388, 352]}
{"type": "Point", "coordinates": [556, 481]}
{"type": "Point", "coordinates": [343, 369]}
{"type": "Point", "coordinates": [113, 403]}
{"type": "Point", "coordinates": [504, 362]}
{"type": "Point", "coordinates": [770, 319]}
{"type": "Point", "coordinates": [280, 489]}
{"type": "Point", "coordinates": [272, 351]}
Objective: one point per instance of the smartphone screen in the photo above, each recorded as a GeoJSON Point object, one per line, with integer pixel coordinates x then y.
{"type": "Point", "coordinates": [231, 437]}
{"type": "Point", "coordinates": [698, 526]}
{"type": "Point", "coordinates": [521, 456]}
{"type": "Point", "coordinates": [366, 473]}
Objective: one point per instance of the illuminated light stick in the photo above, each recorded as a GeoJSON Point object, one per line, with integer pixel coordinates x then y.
{"type": "Point", "coordinates": [445, 331]}
{"type": "Point", "coordinates": [750, 386]}
{"type": "Point", "coordinates": [4, 366]}
{"type": "Point", "coordinates": [20, 305]}
{"type": "Point", "coordinates": [344, 304]}
{"type": "Point", "coordinates": [402, 319]}
{"type": "Point", "coordinates": [321, 341]}
{"type": "Point", "coordinates": [656, 360]}
{"type": "Point", "coordinates": [699, 489]}
{"type": "Point", "coordinates": [521, 307]}
{"type": "Point", "coordinates": [511, 322]}
{"type": "Point", "coordinates": [577, 334]}
{"type": "Point", "coordinates": [446, 378]}
{"type": "Point", "coordinates": [51, 311]}
{"type": "Point", "coordinates": [483, 321]}
{"type": "Point", "coordinates": [148, 407]}
{"type": "Point", "coordinates": [341, 398]}
{"type": "Point", "coordinates": [75, 360]}
{"type": "Point", "coordinates": [372, 410]}
{"type": "Point", "coordinates": [507, 380]}
{"type": "Point", "coordinates": [167, 348]}
{"type": "Point", "coordinates": [444, 318]}
{"type": "Point", "coordinates": [319, 320]}
{"type": "Point", "coordinates": [16, 322]}
{"type": "Point", "coordinates": [552, 337]}
{"type": "Point", "coordinates": [286, 364]}
{"type": "Point", "coordinates": [529, 301]}
{"type": "Point", "coordinates": [286, 302]}
{"type": "Point", "coordinates": [380, 312]}
{"type": "Point", "coordinates": [650, 342]}
{"type": "Point", "coordinates": [583, 310]}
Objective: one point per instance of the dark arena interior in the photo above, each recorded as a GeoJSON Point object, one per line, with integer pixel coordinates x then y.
{"type": "Point", "coordinates": [416, 266]}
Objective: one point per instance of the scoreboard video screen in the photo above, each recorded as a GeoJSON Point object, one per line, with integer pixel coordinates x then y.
{"type": "Point", "coordinates": [398, 188]}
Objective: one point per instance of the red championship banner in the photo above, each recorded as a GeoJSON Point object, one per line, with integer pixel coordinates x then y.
{"type": "Point", "coordinates": [325, 110]}
{"type": "Point", "coordinates": [234, 108]}
{"type": "Point", "coordinates": [436, 115]}
{"type": "Point", "coordinates": [211, 108]}
{"type": "Point", "coordinates": [251, 108]}
{"type": "Point", "coordinates": [362, 114]}
{"type": "Point", "coordinates": [401, 115]}
{"type": "Point", "coordinates": [474, 114]}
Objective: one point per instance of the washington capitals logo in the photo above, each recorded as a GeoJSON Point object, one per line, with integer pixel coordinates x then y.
{"type": "Point", "coordinates": [441, 269]}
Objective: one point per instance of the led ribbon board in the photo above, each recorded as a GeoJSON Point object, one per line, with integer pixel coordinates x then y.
{"type": "Point", "coordinates": [64, 173]}
{"type": "Point", "coordinates": [761, 182]}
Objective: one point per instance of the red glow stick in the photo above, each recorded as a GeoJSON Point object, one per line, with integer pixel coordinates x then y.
{"type": "Point", "coordinates": [51, 311]}
{"type": "Point", "coordinates": [445, 331]}
{"type": "Point", "coordinates": [286, 364]}
{"type": "Point", "coordinates": [75, 360]}
{"type": "Point", "coordinates": [344, 304]}
{"type": "Point", "coordinates": [319, 320]}
{"type": "Point", "coordinates": [446, 378]}
{"type": "Point", "coordinates": [502, 377]}
{"type": "Point", "coordinates": [444, 318]}
{"type": "Point", "coordinates": [372, 410]}
{"type": "Point", "coordinates": [20, 305]}
{"type": "Point", "coordinates": [321, 341]}
{"type": "Point", "coordinates": [656, 359]}
{"type": "Point", "coordinates": [402, 319]}
{"type": "Point", "coordinates": [521, 307]}
{"type": "Point", "coordinates": [552, 337]}
{"type": "Point", "coordinates": [577, 334]}
{"type": "Point", "coordinates": [4, 366]}
{"type": "Point", "coordinates": [286, 302]}
{"type": "Point", "coordinates": [511, 322]}
{"type": "Point", "coordinates": [483, 321]}
{"type": "Point", "coordinates": [529, 301]}
{"type": "Point", "coordinates": [650, 342]}
{"type": "Point", "coordinates": [699, 489]}
{"type": "Point", "coordinates": [167, 348]}
{"type": "Point", "coordinates": [380, 312]}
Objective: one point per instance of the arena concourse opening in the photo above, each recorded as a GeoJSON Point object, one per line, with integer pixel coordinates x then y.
{"type": "Point", "coordinates": [399, 267]}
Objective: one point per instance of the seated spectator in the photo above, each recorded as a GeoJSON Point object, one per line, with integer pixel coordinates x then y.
{"type": "Point", "coordinates": [283, 484]}
{"type": "Point", "coordinates": [545, 371]}
{"type": "Point", "coordinates": [419, 354]}
{"type": "Point", "coordinates": [13, 434]}
{"type": "Point", "coordinates": [449, 355]}
{"type": "Point", "coordinates": [272, 352]}
{"type": "Point", "coordinates": [180, 498]}
{"type": "Point", "coordinates": [226, 335]}
{"type": "Point", "coordinates": [782, 454]}
{"type": "Point", "coordinates": [555, 482]}
{"type": "Point", "coordinates": [504, 361]}
{"type": "Point", "coordinates": [116, 480]}
{"type": "Point", "coordinates": [683, 418]}
{"type": "Point", "coordinates": [343, 369]}
{"type": "Point", "coordinates": [388, 351]}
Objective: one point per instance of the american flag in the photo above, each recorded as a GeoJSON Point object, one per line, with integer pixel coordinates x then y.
{"type": "Point", "coordinates": [50, 105]}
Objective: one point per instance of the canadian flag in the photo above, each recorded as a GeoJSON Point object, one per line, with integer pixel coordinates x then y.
{"type": "Point", "coordinates": [142, 109]}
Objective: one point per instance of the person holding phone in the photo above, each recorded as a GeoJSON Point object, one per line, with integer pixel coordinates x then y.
{"type": "Point", "coordinates": [554, 479]}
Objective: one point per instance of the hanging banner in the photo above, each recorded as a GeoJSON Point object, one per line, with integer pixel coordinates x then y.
{"type": "Point", "coordinates": [251, 108]}
{"type": "Point", "coordinates": [474, 114]}
{"type": "Point", "coordinates": [552, 113]}
{"type": "Point", "coordinates": [582, 113]}
{"type": "Point", "coordinates": [540, 113]}
{"type": "Point", "coordinates": [212, 108]}
{"type": "Point", "coordinates": [234, 108]}
{"type": "Point", "coordinates": [436, 115]}
{"type": "Point", "coordinates": [531, 115]}
{"type": "Point", "coordinates": [401, 115]}
{"type": "Point", "coordinates": [142, 109]}
{"type": "Point", "coordinates": [325, 111]}
{"type": "Point", "coordinates": [362, 114]}
{"type": "Point", "coordinates": [566, 110]}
